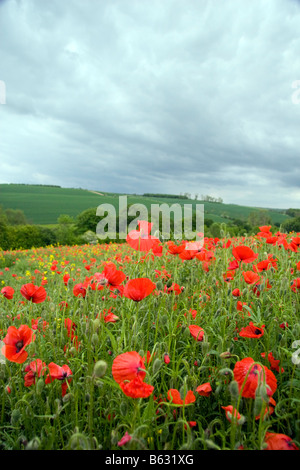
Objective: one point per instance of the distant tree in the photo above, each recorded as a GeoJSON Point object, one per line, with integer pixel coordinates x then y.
{"type": "Point", "coordinates": [259, 217]}
{"type": "Point", "coordinates": [15, 217]}
{"type": "Point", "coordinates": [66, 230]}
{"type": "Point", "coordinates": [87, 220]}
{"type": "Point", "coordinates": [291, 225]}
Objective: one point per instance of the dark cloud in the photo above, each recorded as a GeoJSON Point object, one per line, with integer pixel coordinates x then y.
{"type": "Point", "coordinates": [131, 96]}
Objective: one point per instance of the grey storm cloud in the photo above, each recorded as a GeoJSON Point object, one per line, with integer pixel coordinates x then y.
{"type": "Point", "coordinates": [163, 96]}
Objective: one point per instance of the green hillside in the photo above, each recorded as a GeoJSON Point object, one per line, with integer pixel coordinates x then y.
{"type": "Point", "coordinates": [44, 204]}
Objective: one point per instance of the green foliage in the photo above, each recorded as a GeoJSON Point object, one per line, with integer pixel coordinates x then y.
{"type": "Point", "coordinates": [260, 217]}
{"type": "Point", "coordinates": [292, 225]}
{"type": "Point", "coordinates": [15, 217]}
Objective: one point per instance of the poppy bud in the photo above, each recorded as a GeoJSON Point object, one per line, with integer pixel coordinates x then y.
{"type": "Point", "coordinates": [205, 346]}
{"type": "Point", "coordinates": [204, 298]}
{"type": "Point", "coordinates": [169, 283]}
{"type": "Point", "coordinates": [34, 444]}
{"type": "Point", "coordinates": [211, 445]}
{"type": "Point", "coordinates": [164, 319]}
{"type": "Point", "coordinates": [226, 371]}
{"type": "Point", "coordinates": [95, 339]}
{"type": "Point", "coordinates": [257, 408]}
{"type": "Point", "coordinates": [67, 397]}
{"type": "Point", "coordinates": [166, 358]}
{"type": "Point", "coordinates": [100, 368]}
{"type": "Point", "coordinates": [226, 355]}
{"type": "Point", "coordinates": [52, 307]}
{"type": "Point", "coordinates": [123, 408]}
{"type": "Point", "coordinates": [15, 417]}
{"type": "Point", "coordinates": [40, 386]}
{"type": "Point", "coordinates": [96, 324]}
{"type": "Point", "coordinates": [156, 365]}
{"type": "Point", "coordinates": [234, 389]}
{"type": "Point", "coordinates": [159, 285]}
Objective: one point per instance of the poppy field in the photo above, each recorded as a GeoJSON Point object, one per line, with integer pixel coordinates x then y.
{"type": "Point", "coordinates": [151, 345]}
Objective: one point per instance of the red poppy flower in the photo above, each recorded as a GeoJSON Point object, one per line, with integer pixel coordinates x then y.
{"type": "Point", "coordinates": [229, 413]}
{"type": "Point", "coordinates": [196, 332]}
{"type": "Point", "coordinates": [204, 390]}
{"type": "Point", "coordinates": [236, 292]}
{"type": "Point", "coordinates": [108, 316]}
{"type": "Point", "coordinates": [175, 249]}
{"type": "Point", "coordinates": [38, 324]}
{"type": "Point", "coordinates": [139, 288]}
{"type": "Point", "coordinates": [244, 254]}
{"type": "Point", "coordinates": [166, 358]}
{"type": "Point", "coordinates": [15, 342]}
{"type": "Point", "coordinates": [71, 327]}
{"type": "Point", "coordinates": [174, 396]}
{"type": "Point", "coordinates": [296, 285]}
{"type": "Point", "coordinates": [251, 277]}
{"type": "Point", "coordinates": [110, 276]}
{"type": "Point", "coordinates": [126, 438]}
{"type": "Point", "coordinates": [252, 331]}
{"type": "Point", "coordinates": [34, 293]}
{"type": "Point", "coordinates": [240, 372]}
{"type": "Point", "coordinates": [35, 369]}
{"type": "Point", "coordinates": [136, 388]}
{"type": "Point", "coordinates": [276, 441]}
{"type": "Point", "coordinates": [128, 366]}
{"type": "Point", "coordinates": [274, 363]}
{"type": "Point", "coordinates": [62, 373]}
{"type": "Point", "coordinates": [270, 408]}
{"type": "Point", "coordinates": [141, 239]}
{"type": "Point", "coordinates": [79, 290]}
{"type": "Point", "coordinates": [8, 292]}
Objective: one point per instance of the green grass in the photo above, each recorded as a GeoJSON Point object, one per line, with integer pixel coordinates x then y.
{"type": "Point", "coordinates": [44, 204]}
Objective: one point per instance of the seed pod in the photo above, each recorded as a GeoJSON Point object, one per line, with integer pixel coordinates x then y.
{"type": "Point", "coordinates": [100, 368]}
{"type": "Point", "coordinates": [234, 389]}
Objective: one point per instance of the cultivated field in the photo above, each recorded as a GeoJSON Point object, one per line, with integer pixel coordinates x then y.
{"type": "Point", "coordinates": [176, 347]}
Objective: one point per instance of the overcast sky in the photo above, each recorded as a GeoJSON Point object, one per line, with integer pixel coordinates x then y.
{"type": "Point", "coordinates": [167, 96]}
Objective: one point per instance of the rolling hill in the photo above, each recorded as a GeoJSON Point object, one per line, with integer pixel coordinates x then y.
{"type": "Point", "coordinates": [42, 205]}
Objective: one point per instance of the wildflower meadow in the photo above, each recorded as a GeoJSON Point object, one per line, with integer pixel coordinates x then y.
{"type": "Point", "coordinates": [152, 345]}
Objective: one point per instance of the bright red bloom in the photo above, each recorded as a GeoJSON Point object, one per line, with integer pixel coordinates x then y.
{"type": "Point", "coordinates": [15, 342]}
{"type": "Point", "coordinates": [251, 277]}
{"type": "Point", "coordinates": [136, 388]}
{"type": "Point", "coordinates": [128, 366]}
{"type": "Point", "coordinates": [229, 413]}
{"type": "Point", "coordinates": [274, 363]}
{"type": "Point", "coordinates": [35, 369]}
{"type": "Point", "coordinates": [139, 288]}
{"type": "Point", "coordinates": [240, 372]}
{"type": "Point", "coordinates": [126, 438]}
{"type": "Point", "coordinates": [204, 390]}
{"type": "Point", "coordinates": [71, 327]}
{"type": "Point", "coordinates": [174, 396]}
{"type": "Point", "coordinates": [37, 323]}
{"type": "Point", "coordinates": [236, 292]}
{"type": "Point", "coordinates": [175, 249]}
{"type": "Point", "coordinates": [244, 254]}
{"type": "Point", "coordinates": [110, 276]}
{"type": "Point", "coordinates": [34, 293]}
{"type": "Point", "coordinates": [166, 358]}
{"type": "Point", "coordinates": [141, 239]}
{"type": "Point", "coordinates": [276, 441]}
{"type": "Point", "coordinates": [196, 332]}
{"type": "Point", "coordinates": [296, 285]}
{"type": "Point", "coordinates": [252, 331]}
{"type": "Point", "coordinates": [108, 316]}
{"type": "Point", "coordinates": [62, 373]}
{"type": "Point", "coordinates": [79, 290]}
{"type": "Point", "coordinates": [8, 292]}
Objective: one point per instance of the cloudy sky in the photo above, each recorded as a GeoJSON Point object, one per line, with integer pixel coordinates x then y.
{"type": "Point", "coordinates": [169, 96]}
